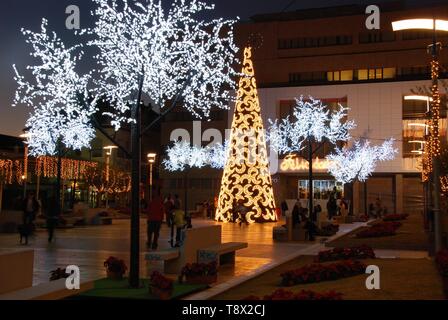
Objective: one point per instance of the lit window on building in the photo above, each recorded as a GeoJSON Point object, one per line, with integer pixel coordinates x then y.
{"type": "Point", "coordinates": [415, 126]}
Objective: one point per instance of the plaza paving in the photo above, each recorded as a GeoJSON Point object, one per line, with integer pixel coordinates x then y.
{"type": "Point", "coordinates": [88, 247]}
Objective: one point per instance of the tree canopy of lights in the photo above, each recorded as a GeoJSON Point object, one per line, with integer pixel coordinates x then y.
{"type": "Point", "coordinates": [246, 175]}
{"type": "Point", "coordinates": [182, 156]}
{"type": "Point", "coordinates": [360, 160]}
{"type": "Point", "coordinates": [55, 92]}
{"type": "Point", "coordinates": [312, 119]}
{"type": "Point", "coordinates": [176, 52]}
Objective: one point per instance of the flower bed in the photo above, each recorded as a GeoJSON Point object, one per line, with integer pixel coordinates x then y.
{"type": "Point", "coordinates": [321, 272]}
{"type": "Point", "coordinates": [380, 230]}
{"type": "Point", "coordinates": [200, 273]}
{"type": "Point", "coordinates": [282, 294]}
{"type": "Point", "coordinates": [115, 268]}
{"type": "Point", "coordinates": [161, 286]}
{"type": "Point", "coordinates": [395, 217]}
{"type": "Point", "coordinates": [328, 230]}
{"type": "Point", "coordinates": [442, 265]}
{"type": "Point", "coordinates": [361, 252]}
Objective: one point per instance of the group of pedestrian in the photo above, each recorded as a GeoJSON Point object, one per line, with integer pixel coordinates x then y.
{"type": "Point", "coordinates": [170, 208]}
{"type": "Point", "coordinates": [377, 210]}
{"type": "Point", "coordinates": [336, 205]}
{"type": "Point", "coordinates": [31, 207]}
{"type": "Point", "coordinates": [240, 213]}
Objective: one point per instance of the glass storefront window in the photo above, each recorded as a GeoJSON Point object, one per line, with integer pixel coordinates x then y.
{"type": "Point", "coordinates": [321, 189]}
{"type": "Point", "coordinates": [346, 75]}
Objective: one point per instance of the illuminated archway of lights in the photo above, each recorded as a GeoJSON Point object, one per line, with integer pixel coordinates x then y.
{"type": "Point", "coordinates": [246, 175]}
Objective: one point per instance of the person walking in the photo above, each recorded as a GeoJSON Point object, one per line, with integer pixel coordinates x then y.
{"type": "Point", "coordinates": [284, 207]}
{"type": "Point", "coordinates": [52, 217]}
{"type": "Point", "coordinates": [156, 212]}
{"type": "Point", "coordinates": [179, 222]}
{"type": "Point", "coordinates": [241, 211]}
{"type": "Point", "coordinates": [169, 207]}
{"type": "Point", "coordinates": [332, 207]}
{"type": "Point", "coordinates": [30, 208]}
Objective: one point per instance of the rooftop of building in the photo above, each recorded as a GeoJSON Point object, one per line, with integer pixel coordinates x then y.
{"type": "Point", "coordinates": [342, 10]}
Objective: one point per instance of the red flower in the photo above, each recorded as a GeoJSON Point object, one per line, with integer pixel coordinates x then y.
{"type": "Point", "coordinates": [361, 252]}
{"type": "Point", "coordinates": [200, 269]}
{"type": "Point", "coordinates": [282, 294]}
{"type": "Point", "coordinates": [380, 230]}
{"type": "Point", "coordinates": [395, 217]}
{"type": "Point", "coordinates": [160, 281]}
{"type": "Point", "coordinates": [319, 272]}
{"type": "Point", "coordinates": [116, 265]}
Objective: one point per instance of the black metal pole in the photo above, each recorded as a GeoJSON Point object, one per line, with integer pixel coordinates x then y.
{"type": "Point", "coordinates": [186, 193]}
{"type": "Point", "coordinates": [310, 178]}
{"type": "Point", "coordinates": [58, 180]}
{"type": "Point", "coordinates": [134, 269]}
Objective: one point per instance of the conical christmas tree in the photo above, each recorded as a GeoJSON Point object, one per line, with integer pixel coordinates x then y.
{"type": "Point", "coordinates": [246, 185]}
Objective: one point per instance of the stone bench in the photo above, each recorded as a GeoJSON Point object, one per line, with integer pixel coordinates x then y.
{"type": "Point", "coordinates": [53, 290]}
{"type": "Point", "coordinates": [223, 253]}
{"type": "Point", "coordinates": [16, 269]}
{"type": "Point", "coordinates": [280, 233]}
{"type": "Point", "coordinates": [167, 256]}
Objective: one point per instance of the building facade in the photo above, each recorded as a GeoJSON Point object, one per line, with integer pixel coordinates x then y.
{"type": "Point", "coordinates": [329, 54]}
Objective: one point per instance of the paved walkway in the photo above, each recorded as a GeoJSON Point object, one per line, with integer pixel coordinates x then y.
{"type": "Point", "coordinates": [88, 247]}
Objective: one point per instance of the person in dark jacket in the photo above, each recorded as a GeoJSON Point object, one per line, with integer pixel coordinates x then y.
{"type": "Point", "coordinates": [284, 207]}
{"type": "Point", "coordinates": [52, 217]}
{"type": "Point", "coordinates": [30, 208]}
{"type": "Point", "coordinates": [296, 213]}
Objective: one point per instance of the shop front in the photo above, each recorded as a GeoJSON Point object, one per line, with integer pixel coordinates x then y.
{"type": "Point", "coordinates": [293, 182]}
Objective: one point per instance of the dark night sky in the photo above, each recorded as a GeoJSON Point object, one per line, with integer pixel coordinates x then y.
{"type": "Point", "coordinates": [15, 14]}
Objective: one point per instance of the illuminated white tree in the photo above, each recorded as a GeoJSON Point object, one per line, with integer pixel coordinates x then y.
{"type": "Point", "coordinates": [55, 92]}
{"type": "Point", "coordinates": [143, 51]}
{"type": "Point", "coordinates": [183, 156]}
{"type": "Point", "coordinates": [359, 161]}
{"type": "Point", "coordinates": [312, 121]}
{"type": "Point", "coordinates": [172, 51]}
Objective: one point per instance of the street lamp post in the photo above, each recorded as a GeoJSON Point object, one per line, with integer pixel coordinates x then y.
{"type": "Point", "coordinates": [434, 25]}
{"type": "Point", "coordinates": [151, 160]}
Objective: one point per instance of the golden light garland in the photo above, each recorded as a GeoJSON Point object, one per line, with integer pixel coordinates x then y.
{"type": "Point", "coordinates": [112, 180]}
{"type": "Point", "coordinates": [427, 159]}
{"type": "Point", "coordinates": [11, 171]}
{"type": "Point", "coordinates": [444, 184]}
{"type": "Point", "coordinates": [246, 175]}
{"type": "Point", "coordinates": [435, 110]}
{"type": "Point", "coordinates": [70, 169]}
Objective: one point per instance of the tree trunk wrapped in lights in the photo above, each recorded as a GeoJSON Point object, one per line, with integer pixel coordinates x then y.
{"type": "Point", "coordinates": [246, 174]}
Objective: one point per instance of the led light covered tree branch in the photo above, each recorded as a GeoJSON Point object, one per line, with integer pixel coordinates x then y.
{"type": "Point", "coordinates": [182, 156]}
{"type": "Point", "coordinates": [312, 119]}
{"type": "Point", "coordinates": [55, 93]}
{"type": "Point", "coordinates": [174, 51]}
{"type": "Point", "coordinates": [359, 161]}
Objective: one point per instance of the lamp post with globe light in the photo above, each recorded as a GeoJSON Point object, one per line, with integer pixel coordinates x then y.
{"type": "Point", "coordinates": [151, 161]}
